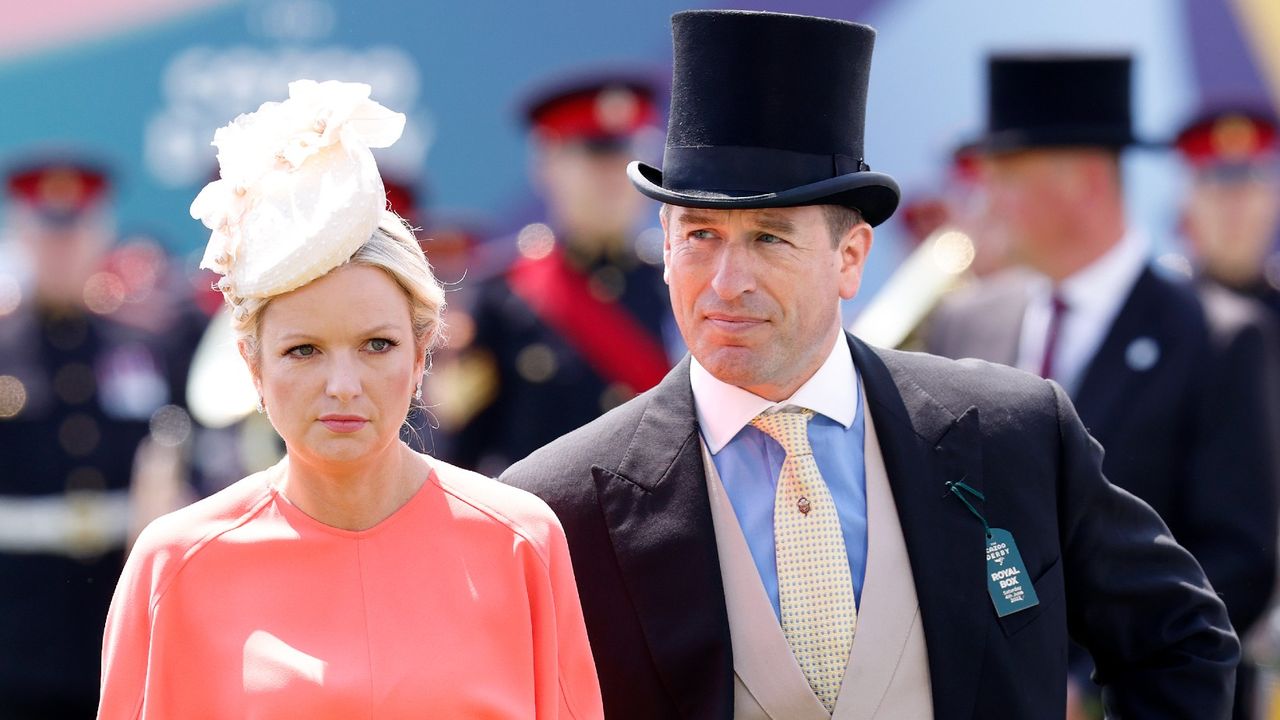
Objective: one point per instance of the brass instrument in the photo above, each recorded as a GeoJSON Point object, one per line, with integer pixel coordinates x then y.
{"type": "Point", "coordinates": [897, 312]}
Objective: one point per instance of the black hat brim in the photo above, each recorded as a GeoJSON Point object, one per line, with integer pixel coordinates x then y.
{"type": "Point", "coordinates": [874, 195]}
{"type": "Point", "coordinates": [1015, 140]}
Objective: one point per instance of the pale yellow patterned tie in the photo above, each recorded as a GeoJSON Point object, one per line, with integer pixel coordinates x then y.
{"type": "Point", "coordinates": [815, 592]}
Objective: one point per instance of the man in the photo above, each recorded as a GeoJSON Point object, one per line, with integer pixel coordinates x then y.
{"type": "Point", "coordinates": [1230, 216]}
{"type": "Point", "coordinates": [80, 393]}
{"type": "Point", "coordinates": [575, 326]}
{"type": "Point", "coordinates": [1171, 386]}
{"type": "Point", "coordinates": [1232, 209]}
{"type": "Point", "coordinates": [858, 586]}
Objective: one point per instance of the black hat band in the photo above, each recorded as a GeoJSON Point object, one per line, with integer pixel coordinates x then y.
{"type": "Point", "coordinates": [738, 170]}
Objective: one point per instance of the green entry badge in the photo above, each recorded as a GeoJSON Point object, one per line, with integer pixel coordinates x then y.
{"type": "Point", "coordinates": [1007, 581]}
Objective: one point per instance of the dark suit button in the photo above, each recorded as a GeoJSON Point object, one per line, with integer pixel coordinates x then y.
{"type": "Point", "coordinates": [79, 435]}
{"type": "Point", "coordinates": [74, 383]}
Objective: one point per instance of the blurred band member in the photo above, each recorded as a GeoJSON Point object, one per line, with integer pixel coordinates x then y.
{"type": "Point", "coordinates": [577, 324]}
{"type": "Point", "coordinates": [1232, 209]}
{"type": "Point", "coordinates": [78, 392]}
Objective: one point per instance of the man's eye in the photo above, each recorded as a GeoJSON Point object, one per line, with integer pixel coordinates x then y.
{"type": "Point", "coordinates": [768, 239]}
{"type": "Point", "coordinates": [302, 351]}
{"type": "Point", "coordinates": [702, 234]}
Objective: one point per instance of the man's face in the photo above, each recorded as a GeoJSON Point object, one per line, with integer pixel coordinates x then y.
{"type": "Point", "coordinates": [1231, 221]}
{"type": "Point", "coordinates": [757, 293]}
{"type": "Point", "coordinates": [62, 255]}
{"type": "Point", "coordinates": [586, 189]}
{"type": "Point", "coordinates": [1031, 197]}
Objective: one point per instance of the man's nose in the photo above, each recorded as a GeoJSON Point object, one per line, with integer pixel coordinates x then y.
{"type": "Point", "coordinates": [734, 272]}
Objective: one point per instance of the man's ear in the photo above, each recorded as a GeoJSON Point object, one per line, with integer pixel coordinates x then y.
{"type": "Point", "coordinates": [663, 214]}
{"type": "Point", "coordinates": [853, 249]}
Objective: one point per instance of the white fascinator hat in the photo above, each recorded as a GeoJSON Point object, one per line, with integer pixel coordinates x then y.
{"type": "Point", "coordinates": [299, 191]}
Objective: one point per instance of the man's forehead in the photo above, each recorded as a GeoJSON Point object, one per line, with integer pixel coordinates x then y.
{"type": "Point", "coordinates": [783, 217]}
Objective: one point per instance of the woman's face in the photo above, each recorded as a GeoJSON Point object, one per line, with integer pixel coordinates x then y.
{"type": "Point", "coordinates": [338, 366]}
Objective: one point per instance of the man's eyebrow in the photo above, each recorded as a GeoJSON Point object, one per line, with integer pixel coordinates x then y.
{"type": "Point", "coordinates": [692, 217]}
{"type": "Point", "coordinates": [774, 222]}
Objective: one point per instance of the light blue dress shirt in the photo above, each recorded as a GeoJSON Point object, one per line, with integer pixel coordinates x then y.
{"type": "Point", "coordinates": [750, 461]}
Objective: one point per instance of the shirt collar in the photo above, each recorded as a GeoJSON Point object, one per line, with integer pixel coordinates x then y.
{"type": "Point", "coordinates": [724, 409]}
{"type": "Point", "coordinates": [1106, 281]}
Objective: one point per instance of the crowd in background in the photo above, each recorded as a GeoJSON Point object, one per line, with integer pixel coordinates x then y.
{"type": "Point", "coordinates": [101, 339]}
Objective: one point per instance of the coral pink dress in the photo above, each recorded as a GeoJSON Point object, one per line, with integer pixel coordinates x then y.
{"type": "Point", "coordinates": [462, 604]}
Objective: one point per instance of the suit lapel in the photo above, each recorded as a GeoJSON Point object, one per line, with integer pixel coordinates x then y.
{"type": "Point", "coordinates": [888, 609]}
{"type": "Point", "coordinates": [924, 447]}
{"type": "Point", "coordinates": [659, 518]}
{"type": "Point", "coordinates": [1109, 378]}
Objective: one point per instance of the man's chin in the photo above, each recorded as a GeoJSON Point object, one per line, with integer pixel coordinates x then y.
{"type": "Point", "coordinates": [735, 365]}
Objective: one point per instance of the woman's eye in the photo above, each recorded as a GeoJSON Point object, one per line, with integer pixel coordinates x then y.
{"type": "Point", "coordinates": [302, 351]}
{"type": "Point", "coordinates": [380, 345]}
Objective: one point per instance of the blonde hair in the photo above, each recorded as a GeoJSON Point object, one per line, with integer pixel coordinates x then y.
{"type": "Point", "coordinates": [393, 249]}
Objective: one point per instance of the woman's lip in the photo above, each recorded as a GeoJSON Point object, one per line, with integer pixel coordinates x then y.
{"type": "Point", "coordinates": [343, 423]}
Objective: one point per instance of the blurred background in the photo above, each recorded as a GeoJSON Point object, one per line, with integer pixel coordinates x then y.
{"type": "Point", "coordinates": [109, 110]}
{"type": "Point", "coordinates": [142, 84]}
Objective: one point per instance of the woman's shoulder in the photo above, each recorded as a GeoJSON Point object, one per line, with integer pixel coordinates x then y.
{"type": "Point", "coordinates": [498, 504]}
{"type": "Point", "coordinates": [179, 534]}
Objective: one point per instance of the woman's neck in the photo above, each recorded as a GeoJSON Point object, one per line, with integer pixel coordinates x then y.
{"type": "Point", "coordinates": [355, 496]}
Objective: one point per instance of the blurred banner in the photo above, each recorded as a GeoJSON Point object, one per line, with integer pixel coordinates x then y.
{"type": "Point", "coordinates": [142, 84]}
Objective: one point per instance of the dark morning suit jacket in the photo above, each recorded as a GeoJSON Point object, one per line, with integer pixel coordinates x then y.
{"type": "Point", "coordinates": [1190, 434]}
{"type": "Point", "coordinates": [631, 492]}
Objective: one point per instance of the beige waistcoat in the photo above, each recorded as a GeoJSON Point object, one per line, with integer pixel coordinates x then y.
{"type": "Point", "coordinates": [887, 677]}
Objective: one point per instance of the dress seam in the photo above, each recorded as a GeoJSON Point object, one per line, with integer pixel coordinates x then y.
{"type": "Point", "coordinates": [201, 544]}
{"type": "Point", "coordinates": [516, 529]}
{"type": "Point", "coordinates": [364, 602]}
{"type": "Point", "coordinates": [498, 516]}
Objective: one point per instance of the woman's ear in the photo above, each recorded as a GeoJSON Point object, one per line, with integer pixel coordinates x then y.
{"type": "Point", "coordinates": [252, 364]}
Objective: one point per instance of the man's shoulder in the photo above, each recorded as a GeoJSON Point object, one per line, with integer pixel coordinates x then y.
{"type": "Point", "coordinates": [601, 442]}
{"type": "Point", "coordinates": [959, 385]}
{"type": "Point", "coordinates": [1228, 312]}
{"type": "Point", "coordinates": [1001, 288]}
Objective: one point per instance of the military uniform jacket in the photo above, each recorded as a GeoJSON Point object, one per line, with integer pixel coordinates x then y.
{"type": "Point", "coordinates": [77, 393]}
{"type": "Point", "coordinates": [631, 492]}
{"type": "Point", "coordinates": [540, 384]}
{"type": "Point", "coordinates": [1178, 395]}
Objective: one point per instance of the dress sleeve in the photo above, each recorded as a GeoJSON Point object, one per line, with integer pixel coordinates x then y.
{"type": "Point", "coordinates": [560, 637]}
{"type": "Point", "coordinates": [127, 639]}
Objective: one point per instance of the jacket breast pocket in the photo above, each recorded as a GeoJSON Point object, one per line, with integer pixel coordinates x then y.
{"type": "Point", "coordinates": [1049, 591]}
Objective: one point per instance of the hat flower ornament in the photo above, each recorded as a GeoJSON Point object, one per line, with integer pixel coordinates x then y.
{"type": "Point", "coordinates": [298, 190]}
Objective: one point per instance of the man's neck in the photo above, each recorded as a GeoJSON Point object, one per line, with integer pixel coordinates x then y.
{"type": "Point", "coordinates": [1084, 246]}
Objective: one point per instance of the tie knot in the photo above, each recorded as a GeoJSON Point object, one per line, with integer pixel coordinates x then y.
{"type": "Point", "coordinates": [790, 428]}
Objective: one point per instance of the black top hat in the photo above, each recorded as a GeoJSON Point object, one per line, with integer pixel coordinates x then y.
{"type": "Point", "coordinates": [1059, 100]}
{"type": "Point", "coordinates": [767, 110]}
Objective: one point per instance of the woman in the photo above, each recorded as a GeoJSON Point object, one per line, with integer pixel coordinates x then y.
{"type": "Point", "coordinates": [356, 578]}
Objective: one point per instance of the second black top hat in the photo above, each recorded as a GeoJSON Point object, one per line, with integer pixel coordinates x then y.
{"type": "Point", "coordinates": [767, 110]}
{"type": "Point", "coordinates": [1058, 100]}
